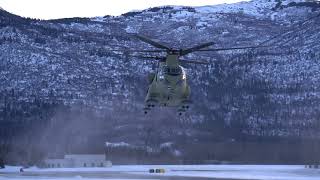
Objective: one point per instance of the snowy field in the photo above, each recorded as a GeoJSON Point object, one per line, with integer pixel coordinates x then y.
{"type": "Point", "coordinates": [259, 172]}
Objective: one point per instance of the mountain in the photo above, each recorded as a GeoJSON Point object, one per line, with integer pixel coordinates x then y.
{"type": "Point", "coordinates": [62, 83]}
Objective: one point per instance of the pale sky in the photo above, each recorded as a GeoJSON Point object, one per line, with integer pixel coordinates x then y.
{"type": "Point", "coordinates": [53, 9]}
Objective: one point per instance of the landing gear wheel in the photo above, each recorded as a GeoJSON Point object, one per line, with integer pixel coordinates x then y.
{"type": "Point", "coordinates": [181, 111]}
{"type": "Point", "coordinates": [146, 110]}
{"type": "Point", "coordinates": [185, 106]}
{"type": "Point", "coordinates": [150, 104]}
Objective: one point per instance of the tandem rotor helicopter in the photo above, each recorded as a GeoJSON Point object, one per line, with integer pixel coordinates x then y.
{"type": "Point", "coordinates": [168, 85]}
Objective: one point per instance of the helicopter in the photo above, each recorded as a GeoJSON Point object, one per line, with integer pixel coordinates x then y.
{"type": "Point", "coordinates": [168, 85]}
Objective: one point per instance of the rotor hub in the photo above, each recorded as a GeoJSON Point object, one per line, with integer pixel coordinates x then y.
{"type": "Point", "coordinates": [175, 52]}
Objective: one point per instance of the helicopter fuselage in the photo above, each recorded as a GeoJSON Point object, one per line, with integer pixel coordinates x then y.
{"type": "Point", "coordinates": [169, 86]}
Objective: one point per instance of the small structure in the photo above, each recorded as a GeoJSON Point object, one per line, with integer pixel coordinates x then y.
{"type": "Point", "coordinates": [79, 160]}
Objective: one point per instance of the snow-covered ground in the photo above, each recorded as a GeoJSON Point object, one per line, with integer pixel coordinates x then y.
{"type": "Point", "coordinates": [261, 172]}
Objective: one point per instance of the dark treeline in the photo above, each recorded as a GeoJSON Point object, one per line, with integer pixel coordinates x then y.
{"type": "Point", "coordinates": [284, 151]}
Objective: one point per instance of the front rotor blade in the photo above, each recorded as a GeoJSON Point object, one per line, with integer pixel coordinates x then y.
{"type": "Point", "coordinates": [196, 48]}
{"type": "Point", "coordinates": [151, 42]}
{"type": "Point", "coordinates": [233, 48]}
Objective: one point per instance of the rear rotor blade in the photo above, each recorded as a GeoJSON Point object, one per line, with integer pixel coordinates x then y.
{"type": "Point", "coordinates": [196, 48]}
{"type": "Point", "coordinates": [151, 42]}
{"type": "Point", "coordinates": [233, 48]}
{"type": "Point", "coordinates": [129, 50]}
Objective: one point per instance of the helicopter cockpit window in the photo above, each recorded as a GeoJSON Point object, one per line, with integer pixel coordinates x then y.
{"type": "Point", "coordinates": [173, 71]}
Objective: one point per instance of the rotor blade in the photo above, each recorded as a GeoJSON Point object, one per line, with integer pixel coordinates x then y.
{"type": "Point", "coordinates": [155, 51]}
{"type": "Point", "coordinates": [233, 48]}
{"type": "Point", "coordinates": [193, 61]}
{"type": "Point", "coordinates": [196, 48]}
{"type": "Point", "coordinates": [129, 50]}
{"type": "Point", "coordinates": [151, 42]}
{"type": "Point", "coordinates": [149, 57]}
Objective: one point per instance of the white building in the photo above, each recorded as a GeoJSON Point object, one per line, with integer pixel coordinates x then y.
{"type": "Point", "coordinates": [79, 160]}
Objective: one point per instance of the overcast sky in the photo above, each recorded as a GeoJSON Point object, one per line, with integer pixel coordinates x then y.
{"type": "Point", "coordinates": [52, 9]}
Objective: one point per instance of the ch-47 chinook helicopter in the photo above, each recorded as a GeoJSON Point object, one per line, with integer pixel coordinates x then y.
{"type": "Point", "coordinates": [168, 86]}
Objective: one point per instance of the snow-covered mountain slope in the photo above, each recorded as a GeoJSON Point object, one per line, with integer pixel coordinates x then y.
{"type": "Point", "coordinates": [267, 92]}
